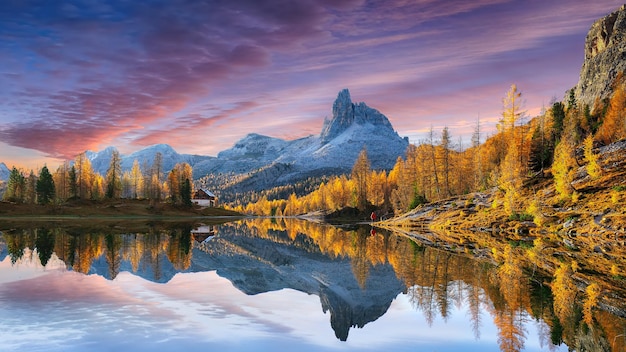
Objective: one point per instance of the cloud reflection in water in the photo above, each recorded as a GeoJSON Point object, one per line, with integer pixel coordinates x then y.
{"type": "Point", "coordinates": [53, 309]}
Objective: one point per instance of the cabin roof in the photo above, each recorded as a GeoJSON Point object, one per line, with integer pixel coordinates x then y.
{"type": "Point", "coordinates": [207, 192]}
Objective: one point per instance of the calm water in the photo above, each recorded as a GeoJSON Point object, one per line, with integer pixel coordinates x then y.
{"type": "Point", "coordinates": [262, 285]}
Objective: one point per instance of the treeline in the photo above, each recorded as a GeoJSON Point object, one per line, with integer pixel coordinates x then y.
{"type": "Point", "coordinates": [78, 180]}
{"type": "Point", "coordinates": [438, 280]}
{"type": "Point", "coordinates": [148, 251]}
{"type": "Point", "coordinates": [225, 185]}
{"type": "Point", "coordinates": [552, 144]}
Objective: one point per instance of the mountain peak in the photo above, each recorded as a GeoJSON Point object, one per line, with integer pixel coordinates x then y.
{"type": "Point", "coordinates": [346, 113]}
{"type": "Point", "coordinates": [161, 147]}
{"type": "Point", "coordinates": [343, 104]}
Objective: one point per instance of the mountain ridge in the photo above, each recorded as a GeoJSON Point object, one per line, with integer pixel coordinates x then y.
{"type": "Point", "coordinates": [268, 161]}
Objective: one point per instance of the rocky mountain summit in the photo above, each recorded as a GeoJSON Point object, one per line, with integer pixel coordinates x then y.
{"type": "Point", "coordinates": [346, 113]}
{"type": "Point", "coordinates": [269, 162]}
{"type": "Point", "coordinates": [258, 162]}
{"type": "Point", "coordinates": [605, 58]}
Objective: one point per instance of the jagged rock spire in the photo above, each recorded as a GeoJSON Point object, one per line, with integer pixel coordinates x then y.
{"type": "Point", "coordinates": [346, 113]}
{"type": "Point", "coordinates": [343, 116]}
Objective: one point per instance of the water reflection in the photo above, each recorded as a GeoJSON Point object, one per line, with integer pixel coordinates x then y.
{"type": "Point", "coordinates": [360, 276]}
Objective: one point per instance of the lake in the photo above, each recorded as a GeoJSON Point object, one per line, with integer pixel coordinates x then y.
{"type": "Point", "coordinates": [268, 285]}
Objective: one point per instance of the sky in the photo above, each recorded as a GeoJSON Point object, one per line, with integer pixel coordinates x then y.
{"type": "Point", "coordinates": [201, 74]}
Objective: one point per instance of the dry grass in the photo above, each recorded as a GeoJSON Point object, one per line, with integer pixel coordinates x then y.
{"type": "Point", "coordinates": [124, 208]}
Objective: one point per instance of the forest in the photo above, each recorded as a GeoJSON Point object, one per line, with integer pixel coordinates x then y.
{"type": "Point", "coordinates": [523, 151]}
{"type": "Point", "coordinates": [77, 180]}
{"type": "Point", "coordinates": [549, 147]}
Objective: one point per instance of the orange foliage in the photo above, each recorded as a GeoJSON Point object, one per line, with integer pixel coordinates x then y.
{"type": "Point", "coordinates": [613, 127]}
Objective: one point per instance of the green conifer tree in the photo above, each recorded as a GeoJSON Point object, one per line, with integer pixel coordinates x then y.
{"type": "Point", "coordinates": [45, 187]}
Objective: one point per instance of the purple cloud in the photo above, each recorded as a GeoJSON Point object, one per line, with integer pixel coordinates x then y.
{"type": "Point", "coordinates": [83, 74]}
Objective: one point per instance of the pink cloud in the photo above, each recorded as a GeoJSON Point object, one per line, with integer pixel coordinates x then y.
{"type": "Point", "coordinates": [85, 77]}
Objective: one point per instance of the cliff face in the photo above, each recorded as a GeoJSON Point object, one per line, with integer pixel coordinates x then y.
{"type": "Point", "coordinates": [605, 58]}
{"type": "Point", "coordinates": [346, 113]}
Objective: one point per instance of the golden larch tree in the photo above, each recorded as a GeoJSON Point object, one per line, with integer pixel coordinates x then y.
{"type": "Point", "coordinates": [360, 176]}
{"type": "Point", "coordinates": [613, 126]}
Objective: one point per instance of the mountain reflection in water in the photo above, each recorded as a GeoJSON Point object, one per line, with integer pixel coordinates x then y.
{"type": "Point", "coordinates": [362, 278]}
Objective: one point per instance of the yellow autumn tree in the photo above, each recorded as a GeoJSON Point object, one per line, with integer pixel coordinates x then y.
{"type": "Point", "coordinates": [84, 176]}
{"type": "Point", "coordinates": [137, 179]}
{"type": "Point", "coordinates": [360, 176]}
{"type": "Point", "coordinates": [510, 180]}
{"type": "Point", "coordinates": [591, 300]}
{"type": "Point", "coordinates": [593, 167]}
{"type": "Point", "coordinates": [564, 291]}
{"type": "Point", "coordinates": [563, 168]}
{"type": "Point", "coordinates": [613, 126]}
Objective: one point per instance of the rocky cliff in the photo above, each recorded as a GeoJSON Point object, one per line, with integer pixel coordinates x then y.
{"type": "Point", "coordinates": [605, 58]}
{"type": "Point", "coordinates": [346, 113]}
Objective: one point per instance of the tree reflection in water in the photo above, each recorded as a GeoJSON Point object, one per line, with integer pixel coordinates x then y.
{"type": "Point", "coordinates": [435, 280]}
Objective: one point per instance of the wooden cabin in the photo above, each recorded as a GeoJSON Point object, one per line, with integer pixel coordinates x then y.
{"type": "Point", "coordinates": [204, 198]}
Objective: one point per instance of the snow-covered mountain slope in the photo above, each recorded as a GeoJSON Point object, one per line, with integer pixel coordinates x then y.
{"type": "Point", "coordinates": [267, 162]}
{"type": "Point", "coordinates": [272, 162]}
{"type": "Point", "coordinates": [352, 128]}
{"type": "Point", "coordinates": [101, 160]}
{"type": "Point", "coordinates": [4, 172]}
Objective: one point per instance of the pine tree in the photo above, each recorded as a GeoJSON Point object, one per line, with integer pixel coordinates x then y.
{"type": "Point", "coordinates": [613, 126]}
{"type": "Point", "coordinates": [542, 143]}
{"type": "Point", "coordinates": [593, 168]}
{"type": "Point", "coordinates": [156, 177]}
{"type": "Point", "coordinates": [61, 181]}
{"type": "Point", "coordinates": [97, 186]}
{"type": "Point", "coordinates": [30, 195]}
{"type": "Point", "coordinates": [563, 168]}
{"type": "Point", "coordinates": [512, 111]}
{"type": "Point", "coordinates": [45, 187]}
{"type": "Point", "coordinates": [114, 177]}
{"type": "Point", "coordinates": [479, 178]}
{"type": "Point", "coordinates": [446, 144]}
{"type": "Point", "coordinates": [85, 176]}
{"type": "Point", "coordinates": [185, 193]}
{"type": "Point", "coordinates": [173, 181]}
{"type": "Point", "coordinates": [176, 182]}
{"type": "Point", "coordinates": [73, 182]}
{"type": "Point", "coordinates": [136, 180]}
{"type": "Point", "coordinates": [511, 168]}
{"type": "Point", "coordinates": [510, 180]}
{"type": "Point", "coordinates": [558, 116]}
{"type": "Point", "coordinates": [571, 100]}
{"type": "Point", "coordinates": [433, 158]}
{"type": "Point", "coordinates": [360, 175]}
{"type": "Point", "coordinates": [16, 186]}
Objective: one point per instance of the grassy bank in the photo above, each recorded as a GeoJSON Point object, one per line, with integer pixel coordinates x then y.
{"type": "Point", "coordinates": [118, 208]}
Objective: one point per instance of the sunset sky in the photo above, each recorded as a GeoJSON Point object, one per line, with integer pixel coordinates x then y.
{"type": "Point", "coordinates": [199, 75]}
